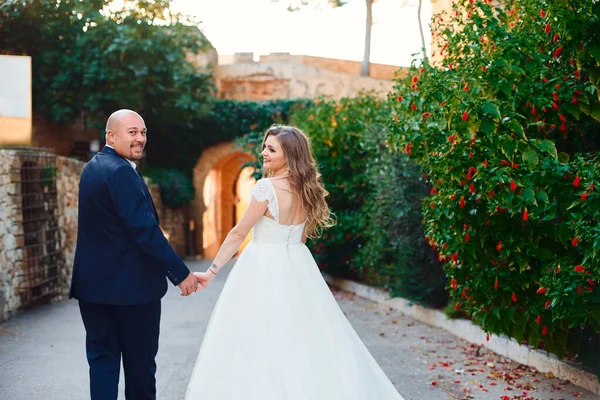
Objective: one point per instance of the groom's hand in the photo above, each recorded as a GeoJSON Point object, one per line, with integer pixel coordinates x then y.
{"type": "Point", "coordinates": [189, 285]}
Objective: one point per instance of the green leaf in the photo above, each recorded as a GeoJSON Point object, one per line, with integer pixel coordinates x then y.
{"type": "Point", "coordinates": [549, 147]}
{"type": "Point", "coordinates": [492, 109]}
{"type": "Point", "coordinates": [529, 196]}
{"type": "Point", "coordinates": [595, 52]}
{"type": "Point", "coordinates": [487, 127]}
{"type": "Point", "coordinates": [519, 325]}
{"type": "Point", "coordinates": [530, 158]}
{"type": "Point", "coordinates": [563, 157]}
{"type": "Point", "coordinates": [542, 196]}
{"type": "Point", "coordinates": [506, 87]}
{"type": "Point", "coordinates": [508, 147]}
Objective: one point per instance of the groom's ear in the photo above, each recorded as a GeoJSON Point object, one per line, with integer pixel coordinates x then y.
{"type": "Point", "coordinates": [110, 137]}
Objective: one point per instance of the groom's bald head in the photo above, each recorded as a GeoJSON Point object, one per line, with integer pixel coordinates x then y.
{"type": "Point", "coordinates": [126, 133]}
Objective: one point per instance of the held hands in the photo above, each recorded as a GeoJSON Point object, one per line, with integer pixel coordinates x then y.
{"type": "Point", "coordinates": [189, 285]}
{"type": "Point", "coordinates": [204, 278]}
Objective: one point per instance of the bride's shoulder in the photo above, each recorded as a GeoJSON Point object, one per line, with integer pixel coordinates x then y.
{"type": "Point", "coordinates": [262, 189]}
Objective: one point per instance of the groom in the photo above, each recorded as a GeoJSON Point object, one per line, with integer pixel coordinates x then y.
{"type": "Point", "coordinates": [121, 261]}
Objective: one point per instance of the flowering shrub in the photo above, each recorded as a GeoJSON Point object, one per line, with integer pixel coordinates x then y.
{"type": "Point", "coordinates": [506, 129]}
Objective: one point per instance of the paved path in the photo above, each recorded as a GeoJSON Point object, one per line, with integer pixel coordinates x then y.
{"type": "Point", "coordinates": [42, 354]}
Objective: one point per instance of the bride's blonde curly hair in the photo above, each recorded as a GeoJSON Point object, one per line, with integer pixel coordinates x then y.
{"type": "Point", "coordinates": [304, 177]}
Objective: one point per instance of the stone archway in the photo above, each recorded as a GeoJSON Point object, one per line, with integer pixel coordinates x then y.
{"type": "Point", "coordinates": [221, 188]}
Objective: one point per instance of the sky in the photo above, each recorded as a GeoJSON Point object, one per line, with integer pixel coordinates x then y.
{"type": "Point", "coordinates": [263, 27]}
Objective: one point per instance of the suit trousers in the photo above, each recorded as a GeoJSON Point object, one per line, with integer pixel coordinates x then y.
{"type": "Point", "coordinates": [130, 331]}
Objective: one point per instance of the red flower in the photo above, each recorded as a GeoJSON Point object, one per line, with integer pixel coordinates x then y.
{"type": "Point", "coordinates": [514, 297]}
{"type": "Point", "coordinates": [484, 68]}
{"type": "Point", "coordinates": [555, 38]}
{"type": "Point", "coordinates": [579, 268]}
{"type": "Point", "coordinates": [400, 98]}
{"type": "Point", "coordinates": [525, 215]}
{"type": "Point", "coordinates": [415, 79]}
{"type": "Point", "coordinates": [457, 306]}
{"type": "Point", "coordinates": [533, 110]}
{"type": "Point", "coordinates": [461, 203]}
{"type": "Point", "coordinates": [467, 237]}
{"type": "Point", "coordinates": [562, 118]}
{"type": "Point", "coordinates": [465, 115]}
{"type": "Point", "coordinates": [575, 241]}
{"type": "Point", "coordinates": [451, 137]}
{"type": "Point", "coordinates": [542, 13]}
{"type": "Point", "coordinates": [578, 289]}
{"type": "Point", "coordinates": [471, 188]}
{"type": "Point", "coordinates": [544, 330]}
{"type": "Point", "coordinates": [504, 162]}
{"type": "Point", "coordinates": [557, 52]}
{"type": "Point", "coordinates": [547, 29]}
{"type": "Point", "coordinates": [466, 88]}
{"type": "Point", "coordinates": [499, 246]}
{"type": "Point", "coordinates": [578, 92]}
{"type": "Point", "coordinates": [584, 196]}
{"type": "Point", "coordinates": [452, 196]}
{"type": "Point", "coordinates": [414, 107]}
{"type": "Point", "coordinates": [541, 290]}
{"type": "Point", "coordinates": [492, 194]}
{"type": "Point", "coordinates": [591, 282]}
{"type": "Point", "coordinates": [577, 180]}
{"type": "Point", "coordinates": [453, 283]}
{"type": "Point", "coordinates": [513, 186]}
{"type": "Point", "coordinates": [496, 284]}
{"type": "Point", "coordinates": [443, 103]}
{"type": "Point", "coordinates": [432, 191]}
{"type": "Point", "coordinates": [425, 115]}
{"type": "Point", "coordinates": [555, 96]}
{"type": "Point", "coordinates": [591, 187]}
{"type": "Point", "coordinates": [485, 163]}
{"type": "Point", "coordinates": [538, 319]}
{"type": "Point", "coordinates": [547, 305]}
{"type": "Point", "coordinates": [454, 257]}
{"type": "Point", "coordinates": [577, 73]}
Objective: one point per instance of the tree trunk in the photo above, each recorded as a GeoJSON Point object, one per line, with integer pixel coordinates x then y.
{"type": "Point", "coordinates": [421, 29]}
{"type": "Point", "coordinates": [364, 66]}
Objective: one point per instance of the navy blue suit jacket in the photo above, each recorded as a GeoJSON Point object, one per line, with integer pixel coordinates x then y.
{"type": "Point", "coordinates": [122, 256]}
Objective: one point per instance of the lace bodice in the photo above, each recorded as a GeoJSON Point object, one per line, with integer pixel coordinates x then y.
{"type": "Point", "coordinates": [270, 231]}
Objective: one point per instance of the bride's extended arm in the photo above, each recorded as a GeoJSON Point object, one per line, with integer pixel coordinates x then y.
{"type": "Point", "coordinates": [234, 239]}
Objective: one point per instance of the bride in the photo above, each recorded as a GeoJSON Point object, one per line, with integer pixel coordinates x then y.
{"type": "Point", "coordinates": [276, 332]}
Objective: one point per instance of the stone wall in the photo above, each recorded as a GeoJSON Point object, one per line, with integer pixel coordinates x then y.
{"type": "Point", "coordinates": [173, 222]}
{"type": "Point", "coordinates": [10, 228]}
{"type": "Point", "coordinates": [281, 80]}
{"type": "Point", "coordinates": [377, 71]}
{"type": "Point", "coordinates": [68, 171]}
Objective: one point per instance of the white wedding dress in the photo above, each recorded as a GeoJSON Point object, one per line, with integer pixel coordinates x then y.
{"type": "Point", "coordinates": [277, 332]}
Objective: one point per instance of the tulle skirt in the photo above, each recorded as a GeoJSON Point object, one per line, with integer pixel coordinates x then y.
{"type": "Point", "coordinates": [277, 333]}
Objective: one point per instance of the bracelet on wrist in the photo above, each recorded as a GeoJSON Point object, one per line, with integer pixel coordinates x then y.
{"type": "Point", "coordinates": [213, 269]}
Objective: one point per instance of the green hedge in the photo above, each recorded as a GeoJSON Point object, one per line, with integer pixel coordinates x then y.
{"type": "Point", "coordinates": [506, 129]}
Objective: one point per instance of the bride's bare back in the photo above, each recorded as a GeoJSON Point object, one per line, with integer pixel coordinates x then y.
{"type": "Point", "coordinates": [290, 209]}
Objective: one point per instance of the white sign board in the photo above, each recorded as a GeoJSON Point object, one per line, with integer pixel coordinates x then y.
{"type": "Point", "coordinates": [15, 100]}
